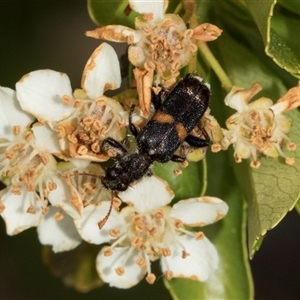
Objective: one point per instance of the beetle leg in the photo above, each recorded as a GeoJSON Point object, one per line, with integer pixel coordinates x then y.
{"type": "Point", "coordinates": [177, 158]}
{"type": "Point", "coordinates": [132, 127]}
{"type": "Point", "coordinates": [157, 99]}
{"type": "Point", "coordinates": [120, 149]}
{"type": "Point", "coordinates": [197, 142]}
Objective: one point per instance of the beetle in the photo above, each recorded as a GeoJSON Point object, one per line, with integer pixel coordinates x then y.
{"type": "Point", "coordinates": [177, 112]}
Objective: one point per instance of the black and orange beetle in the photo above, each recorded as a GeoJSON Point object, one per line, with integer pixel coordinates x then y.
{"type": "Point", "coordinates": [177, 112]}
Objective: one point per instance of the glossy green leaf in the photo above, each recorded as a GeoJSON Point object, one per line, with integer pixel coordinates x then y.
{"type": "Point", "coordinates": [110, 13]}
{"type": "Point", "coordinates": [271, 190]}
{"type": "Point", "coordinates": [276, 46]}
{"type": "Point", "coordinates": [191, 183]}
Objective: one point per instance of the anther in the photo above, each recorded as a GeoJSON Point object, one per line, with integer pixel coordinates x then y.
{"type": "Point", "coordinates": [120, 271]}
{"type": "Point", "coordinates": [31, 210]}
{"type": "Point", "coordinates": [16, 129]}
{"type": "Point", "coordinates": [184, 254]}
{"type": "Point", "coordinates": [166, 252]}
{"type": "Point", "coordinates": [58, 216]}
{"type": "Point", "coordinates": [199, 236]}
{"type": "Point", "coordinates": [114, 233]}
{"type": "Point", "coordinates": [141, 262]}
{"type": "Point", "coordinates": [177, 223]}
{"type": "Point", "coordinates": [82, 150]}
{"type": "Point", "coordinates": [159, 213]}
{"type": "Point", "coordinates": [169, 274]}
{"type": "Point", "coordinates": [107, 251]}
{"type": "Point", "coordinates": [66, 99]}
{"type": "Point", "coordinates": [150, 278]}
{"type": "Point", "coordinates": [255, 164]}
{"type": "Point", "coordinates": [289, 161]}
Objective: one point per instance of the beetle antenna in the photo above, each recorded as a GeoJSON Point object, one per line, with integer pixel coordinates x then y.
{"type": "Point", "coordinates": [66, 176]}
{"type": "Point", "coordinates": [104, 220]}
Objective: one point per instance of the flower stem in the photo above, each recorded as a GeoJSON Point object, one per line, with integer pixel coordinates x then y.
{"type": "Point", "coordinates": [213, 62]}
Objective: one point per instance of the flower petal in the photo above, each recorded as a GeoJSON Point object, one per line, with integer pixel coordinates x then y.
{"type": "Point", "coordinates": [57, 229]}
{"type": "Point", "coordinates": [199, 211]}
{"type": "Point", "coordinates": [116, 33]}
{"type": "Point", "coordinates": [20, 211]}
{"type": "Point", "coordinates": [238, 98]}
{"type": "Point", "coordinates": [41, 94]}
{"type": "Point", "coordinates": [66, 197]}
{"type": "Point", "coordinates": [148, 194]}
{"type": "Point", "coordinates": [88, 224]}
{"type": "Point", "coordinates": [46, 139]}
{"type": "Point", "coordinates": [107, 265]}
{"type": "Point", "coordinates": [11, 114]}
{"type": "Point", "coordinates": [200, 262]}
{"type": "Point", "coordinates": [101, 72]}
{"type": "Point", "coordinates": [157, 8]}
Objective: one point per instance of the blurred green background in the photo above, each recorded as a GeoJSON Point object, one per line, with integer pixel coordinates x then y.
{"type": "Point", "coordinates": [50, 34]}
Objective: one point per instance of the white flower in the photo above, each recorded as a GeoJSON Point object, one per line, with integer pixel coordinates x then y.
{"type": "Point", "coordinates": [82, 120]}
{"type": "Point", "coordinates": [161, 42]}
{"type": "Point", "coordinates": [147, 229]}
{"type": "Point", "coordinates": [259, 127]}
{"type": "Point", "coordinates": [27, 165]}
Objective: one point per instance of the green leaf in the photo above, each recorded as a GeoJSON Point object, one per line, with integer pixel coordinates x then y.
{"type": "Point", "coordinates": [110, 13]}
{"type": "Point", "coordinates": [278, 47]}
{"type": "Point", "coordinates": [191, 183]}
{"type": "Point", "coordinates": [271, 190]}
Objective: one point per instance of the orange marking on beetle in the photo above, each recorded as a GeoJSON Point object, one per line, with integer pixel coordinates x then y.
{"type": "Point", "coordinates": [181, 131]}
{"type": "Point", "coordinates": [162, 117]}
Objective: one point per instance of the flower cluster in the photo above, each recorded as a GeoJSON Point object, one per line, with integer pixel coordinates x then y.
{"type": "Point", "coordinates": [52, 153]}
{"type": "Point", "coordinates": [160, 43]}
{"type": "Point", "coordinates": [259, 127]}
